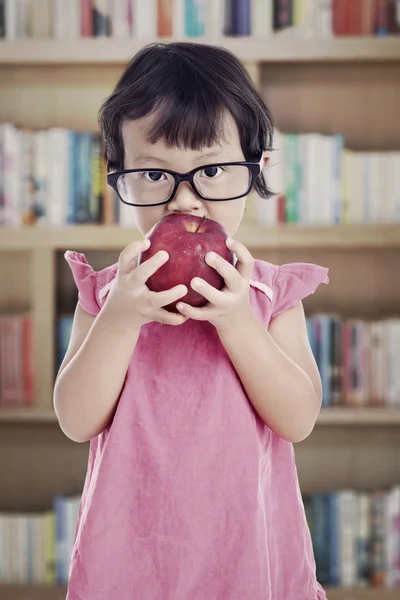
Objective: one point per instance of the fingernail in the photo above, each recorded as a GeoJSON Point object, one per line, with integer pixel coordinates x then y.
{"type": "Point", "coordinates": [163, 255]}
{"type": "Point", "coordinates": [211, 256]}
{"type": "Point", "coordinates": [146, 242]}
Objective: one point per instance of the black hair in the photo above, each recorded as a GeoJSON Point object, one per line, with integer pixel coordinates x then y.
{"type": "Point", "coordinates": [188, 87]}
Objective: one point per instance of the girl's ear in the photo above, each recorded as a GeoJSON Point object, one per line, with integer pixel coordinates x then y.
{"type": "Point", "coordinates": [266, 158]}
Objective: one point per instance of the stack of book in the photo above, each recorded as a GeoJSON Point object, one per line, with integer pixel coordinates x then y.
{"type": "Point", "coordinates": [37, 548]}
{"type": "Point", "coordinates": [57, 176]}
{"type": "Point", "coordinates": [359, 361]}
{"type": "Point", "coordinates": [16, 368]}
{"type": "Point", "coordinates": [356, 537]}
{"type": "Point", "coordinates": [191, 18]}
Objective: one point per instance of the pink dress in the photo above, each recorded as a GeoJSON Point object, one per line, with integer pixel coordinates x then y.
{"type": "Point", "coordinates": [188, 494]}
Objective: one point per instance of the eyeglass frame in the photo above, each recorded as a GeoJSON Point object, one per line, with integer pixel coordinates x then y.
{"type": "Point", "coordinates": [254, 168]}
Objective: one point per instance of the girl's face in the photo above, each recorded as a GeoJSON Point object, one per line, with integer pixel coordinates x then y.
{"type": "Point", "coordinates": [139, 153]}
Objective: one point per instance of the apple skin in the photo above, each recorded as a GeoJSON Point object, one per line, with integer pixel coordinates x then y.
{"type": "Point", "coordinates": [187, 239]}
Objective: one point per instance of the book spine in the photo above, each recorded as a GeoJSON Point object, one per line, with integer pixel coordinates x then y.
{"type": "Point", "coordinates": [164, 18]}
{"type": "Point", "coordinates": [283, 14]}
{"type": "Point", "coordinates": [195, 17]}
{"type": "Point", "coordinates": [86, 29]}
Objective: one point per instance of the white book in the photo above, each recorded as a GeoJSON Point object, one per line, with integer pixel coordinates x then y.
{"type": "Point", "coordinates": [378, 362]}
{"type": "Point", "coordinates": [393, 361]}
{"type": "Point", "coordinates": [215, 18]}
{"type": "Point", "coordinates": [356, 200]}
{"type": "Point", "coordinates": [393, 537]}
{"type": "Point", "coordinates": [323, 18]}
{"type": "Point", "coordinates": [26, 190]}
{"type": "Point", "coordinates": [118, 12]}
{"type": "Point", "coordinates": [375, 186]}
{"type": "Point", "coordinates": [347, 538]}
{"type": "Point", "coordinates": [396, 185]}
{"type": "Point", "coordinates": [391, 176]}
{"type": "Point", "coordinates": [261, 17]}
{"type": "Point", "coordinates": [40, 174]}
{"type": "Point", "coordinates": [11, 183]}
{"type": "Point", "coordinates": [144, 19]}
{"type": "Point", "coordinates": [314, 179]}
{"type": "Point", "coordinates": [178, 19]}
{"type": "Point", "coordinates": [58, 176]}
{"type": "Point", "coordinates": [10, 17]}
{"type": "Point", "coordinates": [325, 204]}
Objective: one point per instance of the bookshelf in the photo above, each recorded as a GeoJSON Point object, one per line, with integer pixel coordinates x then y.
{"type": "Point", "coordinates": [58, 593]}
{"type": "Point", "coordinates": [278, 48]}
{"type": "Point", "coordinates": [352, 417]}
{"type": "Point", "coordinates": [351, 86]}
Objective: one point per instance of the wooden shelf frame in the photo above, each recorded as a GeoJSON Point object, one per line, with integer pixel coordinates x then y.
{"type": "Point", "coordinates": [257, 237]}
{"type": "Point", "coordinates": [337, 417]}
{"type": "Point", "coordinates": [48, 592]}
{"type": "Point", "coordinates": [286, 47]}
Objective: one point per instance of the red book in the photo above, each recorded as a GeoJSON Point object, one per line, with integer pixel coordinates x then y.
{"type": "Point", "coordinates": [27, 360]}
{"type": "Point", "coordinates": [86, 18]}
{"type": "Point", "coordinates": [164, 18]}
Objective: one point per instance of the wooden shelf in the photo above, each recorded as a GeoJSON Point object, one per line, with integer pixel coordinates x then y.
{"type": "Point", "coordinates": [47, 592]}
{"type": "Point", "coordinates": [27, 415]}
{"type": "Point", "coordinates": [360, 416]}
{"type": "Point", "coordinates": [283, 47]}
{"type": "Point", "coordinates": [363, 594]}
{"type": "Point", "coordinates": [87, 237]}
{"type": "Point", "coordinates": [32, 592]}
{"type": "Point", "coordinates": [356, 417]}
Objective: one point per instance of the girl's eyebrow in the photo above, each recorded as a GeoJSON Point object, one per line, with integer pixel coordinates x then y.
{"type": "Point", "coordinates": [211, 154]}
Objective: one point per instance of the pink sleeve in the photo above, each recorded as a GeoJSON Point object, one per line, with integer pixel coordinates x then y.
{"type": "Point", "coordinates": [90, 283]}
{"type": "Point", "coordinates": [294, 282]}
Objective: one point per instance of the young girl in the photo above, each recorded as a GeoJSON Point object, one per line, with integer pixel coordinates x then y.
{"type": "Point", "coordinates": [191, 490]}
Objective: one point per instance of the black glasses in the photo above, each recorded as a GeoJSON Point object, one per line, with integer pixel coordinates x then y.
{"type": "Point", "coordinates": [217, 182]}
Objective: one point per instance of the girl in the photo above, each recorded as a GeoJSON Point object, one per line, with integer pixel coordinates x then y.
{"type": "Point", "coordinates": [191, 490]}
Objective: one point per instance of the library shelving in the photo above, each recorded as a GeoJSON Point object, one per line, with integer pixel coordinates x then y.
{"type": "Point", "coordinates": [350, 86]}
{"type": "Point", "coordinates": [276, 48]}
{"type": "Point", "coordinates": [58, 593]}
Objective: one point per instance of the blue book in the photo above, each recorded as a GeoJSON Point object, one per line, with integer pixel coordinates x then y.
{"type": "Point", "coordinates": [240, 18]}
{"type": "Point", "coordinates": [337, 176]}
{"type": "Point", "coordinates": [321, 537]}
{"type": "Point", "coordinates": [195, 21]}
{"type": "Point", "coordinates": [71, 208]}
{"type": "Point", "coordinates": [61, 540]}
{"type": "Point", "coordinates": [323, 351]}
{"type": "Point", "coordinates": [333, 537]}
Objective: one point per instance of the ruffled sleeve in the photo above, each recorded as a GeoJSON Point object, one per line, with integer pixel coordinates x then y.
{"type": "Point", "coordinates": [92, 285]}
{"type": "Point", "coordinates": [294, 282]}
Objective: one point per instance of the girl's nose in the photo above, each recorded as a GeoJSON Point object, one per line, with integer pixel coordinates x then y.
{"type": "Point", "coordinates": [185, 199]}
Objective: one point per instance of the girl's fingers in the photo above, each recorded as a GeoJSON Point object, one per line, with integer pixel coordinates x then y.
{"type": "Point", "coordinates": [128, 258]}
{"type": "Point", "coordinates": [160, 299]}
{"type": "Point", "coordinates": [245, 261]}
{"type": "Point", "coordinates": [209, 292]}
{"type": "Point", "coordinates": [227, 271]}
{"type": "Point", "coordinates": [150, 266]}
{"type": "Point", "coordinates": [169, 318]}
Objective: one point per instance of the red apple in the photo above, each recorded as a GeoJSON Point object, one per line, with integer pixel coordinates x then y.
{"type": "Point", "coordinates": [187, 239]}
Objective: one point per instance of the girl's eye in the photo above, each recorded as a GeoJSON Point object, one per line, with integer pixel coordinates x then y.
{"type": "Point", "coordinates": [211, 172]}
{"type": "Point", "coordinates": [154, 176]}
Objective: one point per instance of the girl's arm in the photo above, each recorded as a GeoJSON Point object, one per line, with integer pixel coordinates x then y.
{"type": "Point", "coordinates": [93, 372]}
{"type": "Point", "coordinates": [278, 371]}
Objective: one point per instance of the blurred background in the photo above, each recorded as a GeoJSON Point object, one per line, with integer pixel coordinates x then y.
{"type": "Point", "coordinates": [329, 70]}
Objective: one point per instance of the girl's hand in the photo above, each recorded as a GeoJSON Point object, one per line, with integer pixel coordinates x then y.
{"type": "Point", "coordinates": [130, 302]}
{"type": "Point", "coordinates": [230, 305]}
